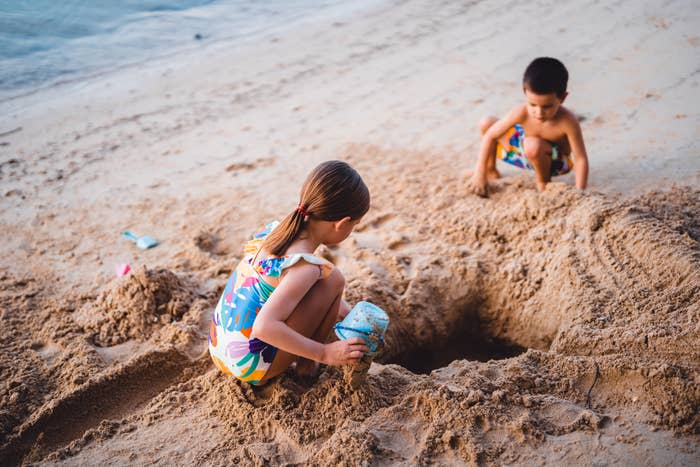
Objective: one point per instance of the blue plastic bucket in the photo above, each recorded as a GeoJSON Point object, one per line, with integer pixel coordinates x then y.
{"type": "Point", "coordinates": [366, 321]}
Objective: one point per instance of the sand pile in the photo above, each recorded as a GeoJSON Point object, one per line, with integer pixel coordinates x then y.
{"type": "Point", "coordinates": [135, 306]}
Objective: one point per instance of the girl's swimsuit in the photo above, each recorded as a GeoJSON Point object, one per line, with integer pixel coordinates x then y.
{"type": "Point", "coordinates": [247, 290]}
{"type": "Point", "coordinates": [514, 153]}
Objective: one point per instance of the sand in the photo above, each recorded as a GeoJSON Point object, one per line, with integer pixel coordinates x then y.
{"type": "Point", "coordinates": [528, 328]}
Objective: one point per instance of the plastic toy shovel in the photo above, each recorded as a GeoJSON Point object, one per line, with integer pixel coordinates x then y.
{"type": "Point", "coordinates": [144, 242]}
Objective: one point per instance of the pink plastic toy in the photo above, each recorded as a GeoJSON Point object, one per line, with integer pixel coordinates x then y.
{"type": "Point", "coordinates": [122, 269]}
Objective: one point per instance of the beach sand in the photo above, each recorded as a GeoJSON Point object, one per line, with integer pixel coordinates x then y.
{"type": "Point", "coordinates": [527, 328]}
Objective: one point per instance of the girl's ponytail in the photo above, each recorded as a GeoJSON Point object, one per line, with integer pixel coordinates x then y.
{"type": "Point", "coordinates": [332, 191]}
{"type": "Point", "coordinates": [284, 234]}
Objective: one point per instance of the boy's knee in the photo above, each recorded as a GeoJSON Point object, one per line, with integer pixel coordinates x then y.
{"type": "Point", "coordinates": [534, 147]}
{"type": "Point", "coordinates": [485, 123]}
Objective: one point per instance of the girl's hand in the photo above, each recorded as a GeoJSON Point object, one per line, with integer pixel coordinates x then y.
{"type": "Point", "coordinates": [344, 352]}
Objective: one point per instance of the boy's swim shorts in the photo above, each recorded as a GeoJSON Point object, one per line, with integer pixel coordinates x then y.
{"type": "Point", "coordinates": [514, 153]}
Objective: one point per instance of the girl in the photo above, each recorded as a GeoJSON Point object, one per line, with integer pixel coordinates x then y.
{"type": "Point", "coordinates": [282, 301]}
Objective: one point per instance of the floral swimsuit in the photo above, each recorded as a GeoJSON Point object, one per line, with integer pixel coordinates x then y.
{"type": "Point", "coordinates": [247, 290]}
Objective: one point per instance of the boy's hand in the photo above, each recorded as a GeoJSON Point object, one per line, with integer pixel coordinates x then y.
{"type": "Point", "coordinates": [344, 352]}
{"type": "Point", "coordinates": [478, 185]}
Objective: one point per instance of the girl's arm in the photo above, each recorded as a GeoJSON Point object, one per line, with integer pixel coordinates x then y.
{"type": "Point", "coordinates": [270, 325]}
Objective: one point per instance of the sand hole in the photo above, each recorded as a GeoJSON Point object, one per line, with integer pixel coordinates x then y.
{"type": "Point", "coordinates": [468, 342]}
{"type": "Point", "coordinates": [135, 306]}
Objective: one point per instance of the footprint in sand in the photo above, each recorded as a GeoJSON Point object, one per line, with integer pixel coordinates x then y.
{"type": "Point", "coordinates": [397, 241]}
{"type": "Point", "coordinates": [206, 241]}
{"type": "Point", "coordinates": [374, 222]}
{"type": "Point", "coordinates": [388, 235]}
{"type": "Point", "coordinates": [246, 166]}
{"type": "Point", "coordinates": [48, 351]}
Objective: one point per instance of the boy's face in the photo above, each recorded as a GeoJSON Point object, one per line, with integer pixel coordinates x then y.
{"type": "Point", "coordinates": [542, 107]}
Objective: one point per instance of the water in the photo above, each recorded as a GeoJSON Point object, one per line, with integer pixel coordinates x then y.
{"type": "Point", "coordinates": [44, 42]}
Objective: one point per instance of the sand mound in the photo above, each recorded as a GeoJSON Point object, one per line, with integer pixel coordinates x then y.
{"type": "Point", "coordinates": [134, 306]}
{"type": "Point", "coordinates": [678, 208]}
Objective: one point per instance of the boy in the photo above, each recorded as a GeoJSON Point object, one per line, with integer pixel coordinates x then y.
{"type": "Point", "coordinates": [540, 134]}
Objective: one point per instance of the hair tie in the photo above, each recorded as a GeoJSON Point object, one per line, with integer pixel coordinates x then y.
{"type": "Point", "coordinates": [301, 209]}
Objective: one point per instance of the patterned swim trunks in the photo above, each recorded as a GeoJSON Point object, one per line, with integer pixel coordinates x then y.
{"type": "Point", "coordinates": [514, 153]}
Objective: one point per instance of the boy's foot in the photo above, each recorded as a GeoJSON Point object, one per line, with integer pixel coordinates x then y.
{"type": "Point", "coordinates": [493, 174]}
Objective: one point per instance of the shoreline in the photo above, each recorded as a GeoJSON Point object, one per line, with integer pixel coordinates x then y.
{"type": "Point", "coordinates": [188, 51]}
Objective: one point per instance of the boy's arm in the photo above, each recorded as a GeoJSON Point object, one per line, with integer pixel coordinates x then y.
{"type": "Point", "coordinates": [578, 148]}
{"type": "Point", "coordinates": [487, 147]}
{"type": "Point", "coordinates": [499, 128]}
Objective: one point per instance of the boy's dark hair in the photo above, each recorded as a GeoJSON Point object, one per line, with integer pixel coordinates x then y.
{"type": "Point", "coordinates": [546, 75]}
